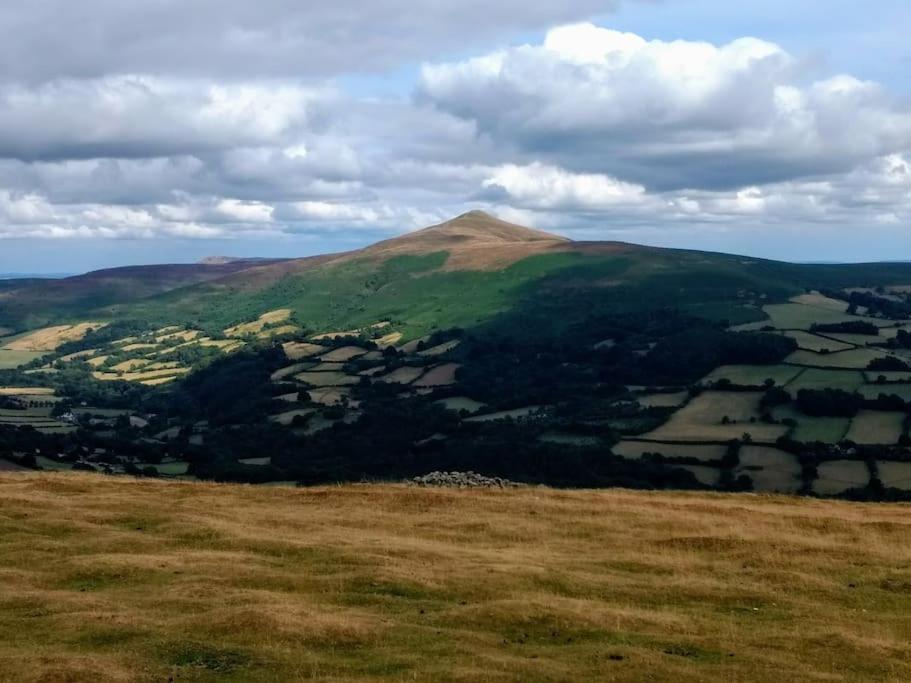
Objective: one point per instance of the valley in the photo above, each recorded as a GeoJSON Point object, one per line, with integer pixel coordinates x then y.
{"type": "Point", "coordinates": [473, 345]}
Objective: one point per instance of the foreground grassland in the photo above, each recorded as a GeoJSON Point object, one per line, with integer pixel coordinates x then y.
{"type": "Point", "coordinates": [117, 579]}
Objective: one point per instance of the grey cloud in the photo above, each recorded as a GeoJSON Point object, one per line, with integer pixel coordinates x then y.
{"type": "Point", "coordinates": [50, 39]}
{"type": "Point", "coordinates": [669, 115]}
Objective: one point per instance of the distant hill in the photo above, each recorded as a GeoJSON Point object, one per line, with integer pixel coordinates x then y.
{"type": "Point", "coordinates": [468, 271]}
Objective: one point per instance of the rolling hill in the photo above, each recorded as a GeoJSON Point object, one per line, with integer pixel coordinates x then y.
{"type": "Point", "coordinates": [472, 344]}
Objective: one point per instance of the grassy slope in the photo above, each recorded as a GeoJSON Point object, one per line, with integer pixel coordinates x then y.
{"type": "Point", "coordinates": [119, 579]}
{"type": "Point", "coordinates": [414, 291]}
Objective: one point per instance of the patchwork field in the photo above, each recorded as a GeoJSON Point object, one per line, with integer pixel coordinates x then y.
{"type": "Point", "coordinates": [119, 579]}
{"type": "Point", "coordinates": [837, 476]}
{"type": "Point", "coordinates": [854, 359]}
{"type": "Point", "coordinates": [753, 375]}
{"type": "Point", "coordinates": [664, 400]}
{"type": "Point", "coordinates": [50, 338]}
{"type": "Point", "coordinates": [895, 474]}
{"type": "Point", "coordinates": [875, 427]}
{"type": "Point", "coordinates": [702, 419]}
{"type": "Point", "coordinates": [796, 316]}
{"type": "Point", "coordinates": [770, 469]}
{"type": "Point", "coordinates": [38, 418]}
{"type": "Point", "coordinates": [515, 414]}
{"type": "Point", "coordinates": [460, 403]}
{"type": "Point", "coordinates": [809, 428]}
{"type": "Point", "coordinates": [815, 343]}
{"type": "Point", "coordinates": [815, 378]}
{"type": "Point", "coordinates": [636, 449]}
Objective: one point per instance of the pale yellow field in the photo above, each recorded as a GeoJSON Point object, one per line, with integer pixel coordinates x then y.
{"type": "Point", "coordinates": [277, 331]}
{"type": "Point", "coordinates": [50, 338]}
{"type": "Point", "coordinates": [26, 391]}
{"type": "Point", "coordinates": [440, 376]}
{"type": "Point", "coordinates": [326, 379]}
{"type": "Point", "coordinates": [440, 349]}
{"type": "Point", "coordinates": [140, 376]}
{"type": "Point", "coordinates": [403, 375]}
{"type": "Point", "coordinates": [817, 299]}
{"type": "Point", "coordinates": [138, 580]}
{"type": "Point", "coordinates": [343, 354]}
{"type": "Point", "coordinates": [269, 318]}
{"type": "Point", "coordinates": [299, 350]}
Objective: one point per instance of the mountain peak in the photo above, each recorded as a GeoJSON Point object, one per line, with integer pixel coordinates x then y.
{"type": "Point", "coordinates": [473, 240]}
{"type": "Point", "coordinates": [482, 228]}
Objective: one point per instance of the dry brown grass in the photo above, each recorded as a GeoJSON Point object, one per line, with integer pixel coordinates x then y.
{"type": "Point", "coordinates": [116, 579]}
{"type": "Point", "coordinates": [50, 338]}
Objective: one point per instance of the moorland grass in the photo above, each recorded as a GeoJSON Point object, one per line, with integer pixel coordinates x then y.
{"type": "Point", "coordinates": [120, 579]}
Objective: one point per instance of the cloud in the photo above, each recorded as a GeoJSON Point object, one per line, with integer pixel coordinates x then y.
{"type": "Point", "coordinates": [669, 114]}
{"type": "Point", "coordinates": [238, 39]}
{"type": "Point", "coordinates": [228, 125]}
{"type": "Point", "coordinates": [143, 116]}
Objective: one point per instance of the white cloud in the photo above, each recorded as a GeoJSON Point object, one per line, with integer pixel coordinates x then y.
{"type": "Point", "coordinates": [669, 114]}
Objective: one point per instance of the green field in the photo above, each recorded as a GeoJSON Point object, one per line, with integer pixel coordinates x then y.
{"type": "Point", "coordinates": [876, 427]}
{"type": "Point", "coordinates": [702, 419]}
{"type": "Point", "coordinates": [809, 429]}
{"type": "Point", "coordinates": [815, 343]}
{"type": "Point", "coordinates": [837, 476]}
{"type": "Point", "coordinates": [753, 375]}
{"type": "Point", "coordinates": [814, 378]}
{"type": "Point", "coordinates": [793, 316]}
{"type": "Point", "coordinates": [770, 469]}
{"type": "Point", "coordinates": [873, 391]}
{"type": "Point", "coordinates": [13, 359]}
{"type": "Point", "coordinates": [895, 474]}
{"type": "Point", "coordinates": [636, 449]}
{"type": "Point", "coordinates": [854, 359]}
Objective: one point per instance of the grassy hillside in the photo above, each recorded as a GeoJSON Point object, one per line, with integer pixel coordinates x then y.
{"type": "Point", "coordinates": [119, 579]}
{"type": "Point", "coordinates": [32, 303]}
{"type": "Point", "coordinates": [464, 272]}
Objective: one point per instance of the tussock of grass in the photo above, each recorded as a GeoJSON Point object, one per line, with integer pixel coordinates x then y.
{"type": "Point", "coordinates": [117, 579]}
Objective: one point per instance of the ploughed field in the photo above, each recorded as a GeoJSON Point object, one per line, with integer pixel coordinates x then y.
{"type": "Point", "coordinates": [121, 579]}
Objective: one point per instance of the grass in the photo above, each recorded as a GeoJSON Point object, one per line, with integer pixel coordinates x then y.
{"type": "Point", "coordinates": [634, 450]}
{"type": "Point", "coordinates": [816, 378]}
{"type": "Point", "coordinates": [753, 375]}
{"type": "Point", "coordinates": [118, 579]}
{"type": "Point", "coordinates": [9, 360]}
{"type": "Point", "coordinates": [796, 316]}
{"type": "Point", "coordinates": [701, 419]}
{"type": "Point", "coordinates": [813, 342]}
{"type": "Point", "coordinates": [873, 391]}
{"type": "Point", "coordinates": [853, 359]}
{"type": "Point", "coordinates": [770, 469]}
{"type": "Point", "coordinates": [809, 428]}
{"type": "Point", "coordinates": [875, 427]}
{"type": "Point", "coordinates": [837, 476]}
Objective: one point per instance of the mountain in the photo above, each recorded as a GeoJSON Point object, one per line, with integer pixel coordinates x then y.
{"type": "Point", "coordinates": [472, 345]}
{"type": "Point", "coordinates": [32, 303]}
{"type": "Point", "coordinates": [464, 272]}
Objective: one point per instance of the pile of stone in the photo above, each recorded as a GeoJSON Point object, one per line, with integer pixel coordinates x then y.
{"type": "Point", "coordinates": [462, 480]}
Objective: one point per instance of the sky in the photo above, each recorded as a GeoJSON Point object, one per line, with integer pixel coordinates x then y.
{"type": "Point", "coordinates": [169, 130]}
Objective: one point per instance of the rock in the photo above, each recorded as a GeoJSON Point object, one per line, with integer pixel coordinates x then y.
{"type": "Point", "coordinates": [462, 480]}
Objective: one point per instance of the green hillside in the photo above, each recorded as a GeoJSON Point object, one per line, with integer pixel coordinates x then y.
{"type": "Point", "coordinates": [472, 345]}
